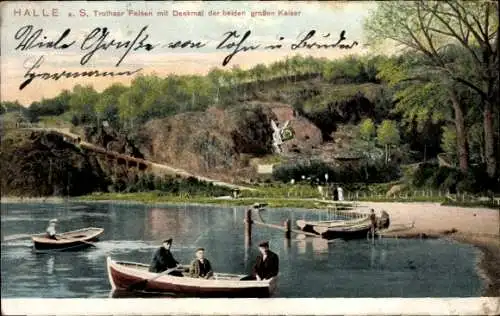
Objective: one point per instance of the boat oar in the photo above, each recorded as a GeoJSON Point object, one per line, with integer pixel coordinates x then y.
{"type": "Point", "coordinates": [16, 237]}
{"type": "Point", "coordinates": [142, 284]}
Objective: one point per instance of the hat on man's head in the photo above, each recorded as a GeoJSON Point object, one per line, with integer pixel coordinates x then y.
{"type": "Point", "coordinates": [168, 241]}
{"type": "Point", "coordinates": [200, 249]}
{"type": "Point", "coordinates": [264, 244]}
{"type": "Point", "coordinates": [54, 220]}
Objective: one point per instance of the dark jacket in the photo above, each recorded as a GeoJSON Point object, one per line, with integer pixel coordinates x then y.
{"type": "Point", "coordinates": [162, 260]}
{"type": "Point", "coordinates": [199, 270]}
{"type": "Point", "coordinates": [268, 268]}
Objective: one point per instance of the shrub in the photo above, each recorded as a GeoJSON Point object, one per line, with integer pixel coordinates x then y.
{"type": "Point", "coordinates": [315, 173]}
{"type": "Point", "coordinates": [423, 172]}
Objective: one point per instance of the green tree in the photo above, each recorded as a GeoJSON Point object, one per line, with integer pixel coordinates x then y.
{"type": "Point", "coordinates": [387, 136]}
{"type": "Point", "coordinates": [449, 141]}
{"type": "Point", "coordinates": [430, 27]}
{"type": "Point", "coordinates": [367, 129]}
{"type": "Point", "coordinates": [82, 103]}
{"type": "Point", "coordinates": [107, 104]}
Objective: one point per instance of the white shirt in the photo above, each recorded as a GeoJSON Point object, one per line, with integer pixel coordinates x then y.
{"type": "Point", "coordinates": [51, 230]}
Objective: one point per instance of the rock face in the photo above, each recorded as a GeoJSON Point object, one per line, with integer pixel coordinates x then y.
{"type": "Point", "coordinates": [111, 140]}
{"type": "Point", "coordinates": [34, 164]}
{"type": "Point", "coordinates": [216, 142]}
{"type": "Point", "coordinates": [208, 143]}
{"type": "Point", "coordinates": [307, 135]}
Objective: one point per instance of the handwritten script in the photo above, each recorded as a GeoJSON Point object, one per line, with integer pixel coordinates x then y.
{"type": "Point", "coordinates": [100, 40]}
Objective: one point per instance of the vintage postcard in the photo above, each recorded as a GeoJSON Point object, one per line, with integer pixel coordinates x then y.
{"type": "Point", "coordinates": [307, 158]}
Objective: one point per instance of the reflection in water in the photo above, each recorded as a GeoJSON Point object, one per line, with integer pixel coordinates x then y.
{"type": "Point", "coordinates": [320, 245]}
{"type": "Point", "coordinates": [287, 243]}
{"type": "Point", "coordinates": [301, 246]}
{"type": "Point", "coordinates": [248, 244]}
{"type": "Point", "coordinates": [372, 256]}
{"type": "Point", "coordinates": [163, 222]}
{"type": "Point", "coordinates": [50, 265]}
{"type": "Point", "coordinates": [383, 255]}
{"type": "Point", "coordinates": [235, 215]}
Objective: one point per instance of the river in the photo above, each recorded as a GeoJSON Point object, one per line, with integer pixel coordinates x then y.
{"type": "Point", "coordinates": [309, 267]}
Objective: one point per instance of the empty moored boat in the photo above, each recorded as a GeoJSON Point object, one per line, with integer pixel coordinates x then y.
{"type": "Point", "coordinates": [308, 226]}
{"type": "Point", "coordinates": [72, 240]}
{"type": "Point", "coordinates": [124, 275]}
{"type": "Point", "coordinates": [351, 231]}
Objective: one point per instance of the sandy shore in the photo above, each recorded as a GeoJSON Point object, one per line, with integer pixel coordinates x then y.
{"type": "Point", "coordinates": [476, 226]}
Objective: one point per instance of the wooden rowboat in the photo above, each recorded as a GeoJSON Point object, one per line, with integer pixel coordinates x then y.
{"type": "Point", "coordinates": [72, 240]}
{"type": "Point", "coordinates": [123, 275]}
{"type": "Point", "coordinates": [308, 226]}
{"type": "Point", "coordinates": [352, 231]}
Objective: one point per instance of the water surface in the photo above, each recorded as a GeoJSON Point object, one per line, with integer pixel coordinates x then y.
{"type": "Point", "coordinates": [310, 267]}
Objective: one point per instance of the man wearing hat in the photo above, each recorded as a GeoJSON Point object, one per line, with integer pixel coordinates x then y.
{"type": "Point", "coordinates": [200, 267]}
{"type": "Point", "coordinates": [51, 230]}
{"type": "Point", "coordinates": [266, 265]}
{"type": "Point", "coordinates": [164, 260]}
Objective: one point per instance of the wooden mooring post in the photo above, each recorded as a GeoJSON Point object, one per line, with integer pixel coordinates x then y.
{"type": "Point", "coordinates": [248, 227]}
{"type": "Point", "coordinates": [288, 229]}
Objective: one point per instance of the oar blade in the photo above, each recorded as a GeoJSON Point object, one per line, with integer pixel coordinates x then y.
{"type": "Point", "coordinates": [16, 236]}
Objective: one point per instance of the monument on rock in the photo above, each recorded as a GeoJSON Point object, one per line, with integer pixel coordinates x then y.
{"type": "Point", "coordinates": [280, 135]}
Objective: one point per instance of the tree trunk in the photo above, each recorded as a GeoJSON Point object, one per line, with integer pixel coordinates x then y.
{"type": "Point", "coordinates": [462, 152]}
{"type": "Point", "coordinates": [489, 140]}
{"type": "Point", "coordinates": [386, 153]}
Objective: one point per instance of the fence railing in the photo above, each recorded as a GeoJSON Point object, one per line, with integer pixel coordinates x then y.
{"type": "Point", "coordinates": [423, 195]}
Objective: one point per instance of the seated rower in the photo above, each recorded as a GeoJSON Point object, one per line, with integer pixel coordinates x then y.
{"type": "Point", "coordinates": [200, 267]}
{"type": "Point", "coordinates": [51, 229]}
{"type": "Point", "coordinates": [266, 265]}
{"type": "Point", "coordinates": [164, 260]}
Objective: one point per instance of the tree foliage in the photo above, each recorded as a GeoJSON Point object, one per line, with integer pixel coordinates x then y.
{"type": "Point", "coordinates": [388, 133]}
{"type": "Point", "coordinates": [438, 30]}
{"type": "Point", "coordinates": [367, 129]}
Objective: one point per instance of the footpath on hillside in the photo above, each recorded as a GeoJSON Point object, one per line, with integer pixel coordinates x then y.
{"type": "Point", "coordinates": [156, 168]}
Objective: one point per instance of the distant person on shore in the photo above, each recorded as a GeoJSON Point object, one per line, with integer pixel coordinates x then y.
{"type": "Point", "coordinates": [340, 193]}
{"type": "Point", "coordinates": [200, 267]}
{"type": "Point", "coordinates": [164, 260]}
{"type": "Point", "coordinates": [384, 220]}
{"type": "Point", "coordinates": [266, 265]}
{"type": "Point", "coordinates": [51, 229]}
{"type": "Point", "coordinates": [335, 194]}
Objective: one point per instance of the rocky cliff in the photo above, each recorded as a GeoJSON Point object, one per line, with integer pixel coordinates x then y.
{"type": "Point", "coordinates": [215, 142]}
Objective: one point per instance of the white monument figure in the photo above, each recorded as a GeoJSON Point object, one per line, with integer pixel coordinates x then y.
{"type": "Point", "coordinates": [321, 193]}
{"type": "Point", "coordinates": [278, 135]}
{"type": "Point", "coordinates": [341, 193]}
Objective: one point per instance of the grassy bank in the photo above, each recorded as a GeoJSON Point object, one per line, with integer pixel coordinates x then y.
{"type": "Point", "coordinates": [277, 196]}
{"type": "Point", "coordinates": [159, 198]}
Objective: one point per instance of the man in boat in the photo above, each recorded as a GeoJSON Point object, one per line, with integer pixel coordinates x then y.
{"type": "Point", "coordinates": [200, 267]}
{"type": "Point", "coordinates": [164, 260]}
{"type": "Point", "coordinates": [51, 229]}
{"type": "Point", "coordinates": [266, 265]}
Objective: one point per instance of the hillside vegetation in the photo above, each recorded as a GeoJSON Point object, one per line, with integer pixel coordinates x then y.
{"type": "Point", "coordinates": [349, 121]}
